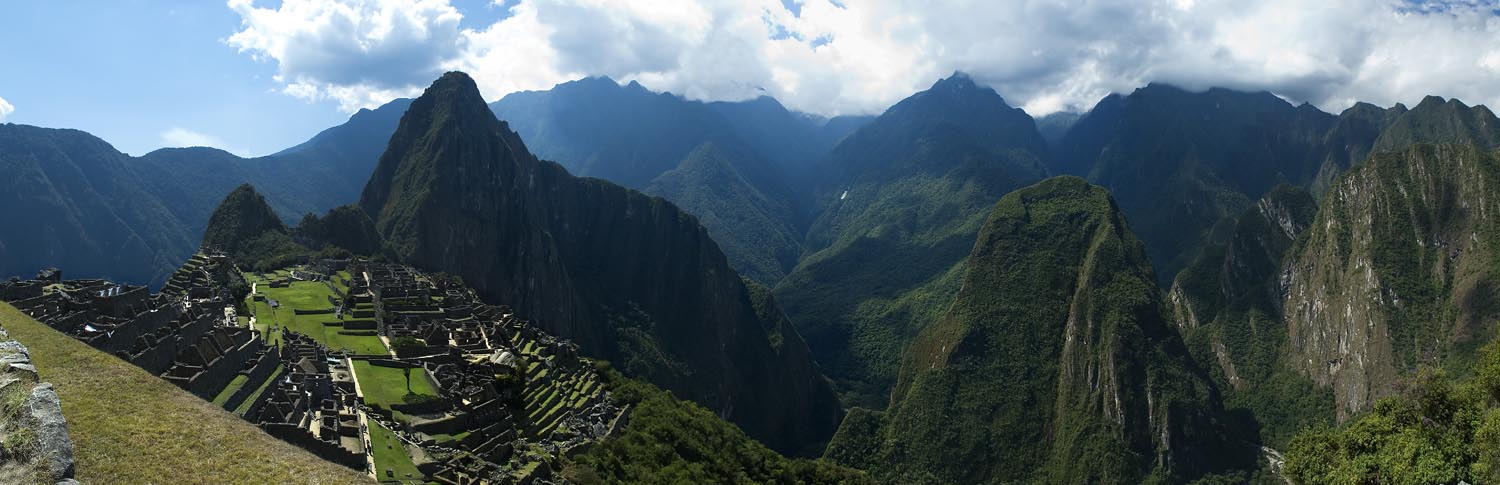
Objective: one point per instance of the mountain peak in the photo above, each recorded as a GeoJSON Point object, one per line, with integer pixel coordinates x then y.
{"type": "Point", "coordinates": [241, 220]}
{"type": "Point", "coordinates": [957, 82]}
{"type": "Point", "coordinates": [448, 138]}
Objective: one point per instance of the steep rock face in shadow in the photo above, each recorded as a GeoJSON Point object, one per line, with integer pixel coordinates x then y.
{"type": "Point", "coordinates": [733, 165]}
{"type": "Point", "coordinates": [629, 277]}
{"type": "Point", "coordinates": [1055, 363]}
{"type": "Point", "coordinates": [1184, 164]}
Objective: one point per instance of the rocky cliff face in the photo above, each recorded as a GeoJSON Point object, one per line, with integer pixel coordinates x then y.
{"type": "Point", "coordinates": [1228, 306]}
{"type": "Point", "coordinates": [629, 277]}
{"type": "Point", "coordinates": [1398, 271]}
{"type": "Point", "coordinates": [1055, 363]}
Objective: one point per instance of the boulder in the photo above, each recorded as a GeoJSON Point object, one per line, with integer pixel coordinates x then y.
{"type": "Point", "coordinates": [43, 414]}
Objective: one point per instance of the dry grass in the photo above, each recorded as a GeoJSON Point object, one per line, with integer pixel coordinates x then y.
{"type": "Point", "coordinates": [129, 426]}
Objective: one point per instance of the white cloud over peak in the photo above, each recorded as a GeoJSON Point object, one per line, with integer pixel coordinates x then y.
{"type": "Point", "coordinates": [5, 109]}
{"type": "Point", "coordinates": [830, 57]}
{"type": "Point", "coordinates": [178, 137]}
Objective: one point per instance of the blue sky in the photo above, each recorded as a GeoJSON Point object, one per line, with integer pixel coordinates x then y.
{"type": "Point", "coordinates": [256, 76]}
{"type": "Point", "coordinates": [132, 71]}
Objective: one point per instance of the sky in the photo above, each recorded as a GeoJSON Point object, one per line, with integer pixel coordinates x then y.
{"type": "Point", "coordinates": [256, 76]}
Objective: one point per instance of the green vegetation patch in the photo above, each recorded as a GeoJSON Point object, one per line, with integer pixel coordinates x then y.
{"type": "Point", "coordinates": [673, 441]}
{"type": "Point", "coordinates": [384, 386]}
{"type": "Point", "coordinates": [307, 295]}
{"type": "Point", "coordinates": [1435, 431]}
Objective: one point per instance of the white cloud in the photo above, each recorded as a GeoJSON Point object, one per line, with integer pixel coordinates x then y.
{"type": "Point", "coordinates": [5, 109]}
{"type": "Point", "coordinates": [859, 57]}
{"type": "Point", "coordinates": [182, 137]}
{"type": "Point", "coordinates": [356, 52]}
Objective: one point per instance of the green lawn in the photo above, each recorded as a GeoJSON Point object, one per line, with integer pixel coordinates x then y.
{"type": "Point", "coordinates": [307, 295]}
{"type": "Point", "coordinates": [384, 386]}
{"type": "Point", "coordinates": [391, 454]}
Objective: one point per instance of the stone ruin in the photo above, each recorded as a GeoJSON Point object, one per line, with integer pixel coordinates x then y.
{"type": "Point", "coordinates": [511, 398]}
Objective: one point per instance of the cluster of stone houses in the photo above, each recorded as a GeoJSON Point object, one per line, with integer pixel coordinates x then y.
{"type": "Point", "coordinates": [188, 333]}
{"type": "Point", "coordinates": [511, 398]}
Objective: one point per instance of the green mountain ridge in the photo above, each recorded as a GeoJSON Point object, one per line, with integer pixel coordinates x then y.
{"type": "Point", "coordinates": [909, 189]}
{"type": "Point", "coordinates": [1055, 363]}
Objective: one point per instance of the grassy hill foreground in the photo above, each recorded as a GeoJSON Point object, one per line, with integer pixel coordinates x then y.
{"type": "Point", "coordinates": [129, 426]}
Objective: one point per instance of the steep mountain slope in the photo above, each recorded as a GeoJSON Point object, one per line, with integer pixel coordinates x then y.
{"type": "Point", "coordinates": [1228, 306]}
{"type": "Point", "coordinates": [1398, 270]}
{"type": "Point", "coordinates": [902, 199]}
{"type": "Point", "coordinates": [346, 227]}
{"type": "Point", "coordinates": [668, 146]}
{"type": "Point", "coordinates": [71, 200]}
{"type": "Point", "coordinates": [1182, 164]}
{"type": "Point", "coordinates": [1055, 125]}
{"type": "Point", "coordinates": [755, 228]}
{"type": "Point", "coordinates": [1054, 363]}
{"type": "Point", "coordinates": [629, 277]}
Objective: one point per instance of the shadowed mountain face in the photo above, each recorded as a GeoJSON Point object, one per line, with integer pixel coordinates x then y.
{"type": "Point", "coordinates": [1054, 363]}
{"type": "Point", "coordinates": [1182, 164]}
{"type": "Point", "coordinates": [99, 212]}
{"type": "Point", "coordinates": [740, 167]}
{"type": "Point", "coordinates": [72, 201]}
{"type": "Point", "coordinates": [627, 276]}
{"type": "Point", "coordinates": [901, 200]}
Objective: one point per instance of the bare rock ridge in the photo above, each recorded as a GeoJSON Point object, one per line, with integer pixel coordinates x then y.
{"type": "Point", "coordinates": [1055, 363]}
{"type": "Point", "coordinates": [629, 277]}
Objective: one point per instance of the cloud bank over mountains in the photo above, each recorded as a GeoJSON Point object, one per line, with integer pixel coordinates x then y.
{"type": "Point", "coordinates": [847, 57]}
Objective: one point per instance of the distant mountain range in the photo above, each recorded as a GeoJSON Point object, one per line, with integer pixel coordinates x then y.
{"type": "Point", "coordinates": [84, 206]}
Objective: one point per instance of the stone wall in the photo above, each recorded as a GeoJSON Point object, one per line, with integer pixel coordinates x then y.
{"type": "Point", "coordinates": [34, 442]}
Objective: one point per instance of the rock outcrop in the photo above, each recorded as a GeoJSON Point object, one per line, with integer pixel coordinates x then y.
{"type": "Point", "coordinates": [34, 443]}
